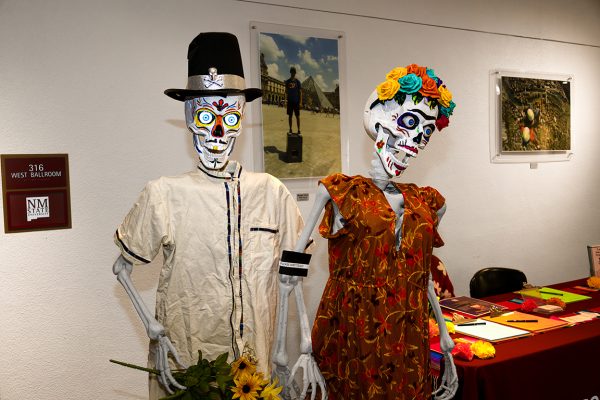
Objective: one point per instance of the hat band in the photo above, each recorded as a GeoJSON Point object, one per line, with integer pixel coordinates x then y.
{"type": "Point", "coordinates": [216, 82]}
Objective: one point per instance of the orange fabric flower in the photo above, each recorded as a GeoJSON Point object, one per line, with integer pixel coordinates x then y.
{"type": "Point", "coordinates": [594, 282]}
{"type": "Point", "coordinates": [557, 302]}
{"type": "Point", "coordinates": [417, 70]}
{"type": "Point", "coordinates": [429, 88]}
{"type": "Point", "coordinates": [434, 330]}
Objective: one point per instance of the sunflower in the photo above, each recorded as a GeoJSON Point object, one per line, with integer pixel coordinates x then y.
{"type": "Point", "coordinates": [242, 366]}
{"type": "Point", "coordinates": [246, 387]}
{"type": "Point", "coordinates": [271, 392]}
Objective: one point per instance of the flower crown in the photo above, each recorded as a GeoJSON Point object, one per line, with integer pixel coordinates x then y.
{"type": "Point", "coordinates": [418, 82]}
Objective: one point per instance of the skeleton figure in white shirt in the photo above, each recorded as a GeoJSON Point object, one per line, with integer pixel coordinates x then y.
{"type": "Point", "coordinates": [214, 99]}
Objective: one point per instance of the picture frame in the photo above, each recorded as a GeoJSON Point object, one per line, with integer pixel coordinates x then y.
{"type": "Point", "coordinates": [530, 117]}
{"type": "Point", "coordinates": [317, 56]}
{"type": "Point", "coordinates": [594, 256]}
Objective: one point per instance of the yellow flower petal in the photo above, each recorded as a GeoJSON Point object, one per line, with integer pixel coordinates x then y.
{"type": "Point", "coordinates": [483, 349]}
{"type": "Point", "coordinates": [396, 73]}
{"type": "Point", "coordinates": [387, 90]}
{"type": "Point", "coordinates": [271, 392]}
{"type": "Point", "coordinates": [445, 96]}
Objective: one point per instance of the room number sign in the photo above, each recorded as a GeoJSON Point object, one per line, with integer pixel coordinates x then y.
{"type": "Point", "coordinates": [35, 191]}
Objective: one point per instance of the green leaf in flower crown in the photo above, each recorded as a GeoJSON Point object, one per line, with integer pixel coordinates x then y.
{"type": "Point", "coordinates": [417, 97]}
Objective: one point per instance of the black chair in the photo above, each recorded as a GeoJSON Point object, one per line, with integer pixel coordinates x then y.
{"type": "Point", "coordinates": [492, 281]}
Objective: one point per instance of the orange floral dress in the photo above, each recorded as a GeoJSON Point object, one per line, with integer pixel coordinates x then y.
{"type": "Point", "coordinates": [370, 335]}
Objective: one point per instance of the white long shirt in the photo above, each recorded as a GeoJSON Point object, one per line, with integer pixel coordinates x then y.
{"type": "Point", "coordinates": [221, 234]}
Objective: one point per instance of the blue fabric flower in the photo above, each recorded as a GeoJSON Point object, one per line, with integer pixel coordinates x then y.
{"type": "Point", "coordinates": [447, 111]}
{"type": "Point", "coordinates": [431, 74]}
{"type": "Point", "coordinates": [410, 83]}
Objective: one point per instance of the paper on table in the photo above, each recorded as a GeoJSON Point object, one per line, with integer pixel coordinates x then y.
{"type": "Point", "coordinates": [491, 331]}
{"type": "Point", "coordinates": [567, 297]}
{"type": "Point", "coordinates": [541, 324]}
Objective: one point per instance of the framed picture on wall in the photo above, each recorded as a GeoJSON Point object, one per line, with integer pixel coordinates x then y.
{"type": "Point", "coordinates": [594, 254]}
{"type": "Point", "coordinates": [530, 117]}
{"type": "Point", "coordinates": [300, 75]}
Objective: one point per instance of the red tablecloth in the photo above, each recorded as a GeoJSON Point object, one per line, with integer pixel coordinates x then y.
{"type": "Point", "coordinates": [562, 364]}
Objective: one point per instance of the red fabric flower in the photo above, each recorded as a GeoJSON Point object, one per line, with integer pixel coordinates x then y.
{"type": "Point", "coordinates": [442, 122]}
{"type": "Point", "coordinates": [528, 305]}
{"type": "Point", "coordinates": [463, 351]}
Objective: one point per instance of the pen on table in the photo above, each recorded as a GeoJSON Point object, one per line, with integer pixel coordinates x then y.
{"type": "Point", "coordinates": [521, 320]}
{"type": "Point", "coordinates": [554, 293]}
{"type": "Point", "coordinates": [472, 323]}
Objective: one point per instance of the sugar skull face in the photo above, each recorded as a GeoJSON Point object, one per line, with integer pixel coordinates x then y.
{"type": "Point", "coordinates": [215, 122]}
{"type": "Point", "coordinates": [399, 131]}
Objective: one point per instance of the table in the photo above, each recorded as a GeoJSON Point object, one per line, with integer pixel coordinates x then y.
{"type": "Point", "coordinates": [562, 364]}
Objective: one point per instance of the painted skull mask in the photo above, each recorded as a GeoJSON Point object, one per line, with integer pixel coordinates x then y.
{"type": "Point", "coordinates": [215, 122]}
{"type": "Point", "coordinates": [399, 131]}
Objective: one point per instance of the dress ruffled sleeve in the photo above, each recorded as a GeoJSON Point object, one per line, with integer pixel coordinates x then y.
{"type": "Point", "coordinates": [435, 201]}
{"type": "Point", "coordinates": [338, 186]}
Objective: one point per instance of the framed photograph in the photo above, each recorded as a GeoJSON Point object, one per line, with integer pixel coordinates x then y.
{"type": "Point", "coordinates": [594, 254]}
{"type": "Point", "coordinates": [300, 75]}
{"type": "Point", "coordinates": [530, 117]}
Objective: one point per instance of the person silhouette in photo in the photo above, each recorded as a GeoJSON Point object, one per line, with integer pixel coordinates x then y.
{"type": "Point", "coordinates": [293, 97]}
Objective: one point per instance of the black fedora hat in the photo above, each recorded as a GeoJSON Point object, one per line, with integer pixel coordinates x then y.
{"type": "Point", "coordinates": [214, 69]}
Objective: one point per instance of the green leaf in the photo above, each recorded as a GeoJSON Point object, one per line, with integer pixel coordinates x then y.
{"type": "Point", "coordinates": [224, 381]}
{"type": "Point", "coordinates": [177, 395]}
{"type": "Point", "coordinates": [221, 360]}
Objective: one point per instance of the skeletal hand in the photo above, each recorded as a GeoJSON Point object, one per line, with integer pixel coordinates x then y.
{"type": "Point", "coordinates": [449, 383]}
{"type": "Point", "coordinates": [311, 376]}
{"type": "Point", "coordinates": [164, 347]}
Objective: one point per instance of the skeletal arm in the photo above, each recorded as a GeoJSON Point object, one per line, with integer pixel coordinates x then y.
{"type": "Point", "coordinates": [311, 374]}
{"type": "Point", "coordinates": [122, 269]}
{"type": "Point", "coordinates": [449, 383]}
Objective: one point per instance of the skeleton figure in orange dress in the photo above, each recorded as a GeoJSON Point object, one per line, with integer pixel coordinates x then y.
{"type": "Point", "coordinates": [370, 336]}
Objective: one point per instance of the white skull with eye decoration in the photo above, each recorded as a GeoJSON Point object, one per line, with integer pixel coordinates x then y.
{"type": "Point", "coordinates": [399, 131]}
{"type": "Point", "coordinates": [215, 122]}
{"type": "Point", "coordinates": [403, 112]}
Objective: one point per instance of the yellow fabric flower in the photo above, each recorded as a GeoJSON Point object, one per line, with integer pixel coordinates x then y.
{"type": "Point", "coordinates": [594, 282]}
{"type": "Point", "coordinates": [483, 349]}
{"type": "Point", "coordinates": [445, 96]}
{"type": "Point", "coordinates": [387, 90]}
{"type": "Point", "coordinates": [396, 73]}
{"type": "Point", "coordinates": [246, 387]}
{"type": "Point", "coordinates": [242, 366]}
{"type": "Point", "coordinates": [271, 392]}
{"type": "Point", "coordinates": [450, 327]}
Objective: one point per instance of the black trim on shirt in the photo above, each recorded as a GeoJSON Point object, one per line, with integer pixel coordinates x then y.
{"type": "Point", "coordinates": [221, 177]}
{"type": "Point", "coordinates": [131, 253]}
{"type": "Point", "coordinates": [258, 229]}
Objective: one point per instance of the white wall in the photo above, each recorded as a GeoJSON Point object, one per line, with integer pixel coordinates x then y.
{"type": "Point", "coordinates": [86, 78]}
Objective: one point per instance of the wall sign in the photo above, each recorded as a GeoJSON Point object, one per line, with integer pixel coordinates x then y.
{"type": "Point", "coordinates": [35, 190]}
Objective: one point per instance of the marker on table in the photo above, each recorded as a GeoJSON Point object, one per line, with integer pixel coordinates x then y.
{"type": "Point", "coordinates": [521, 320]}
{"type": "Point", "coordinates": [472, 323]}
{"type": "Point", "coordinates": [554, 293]}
